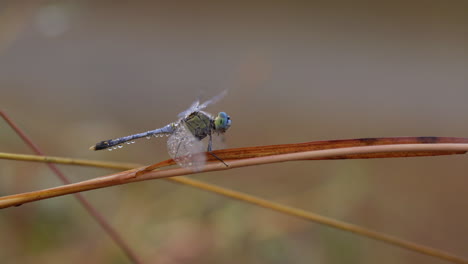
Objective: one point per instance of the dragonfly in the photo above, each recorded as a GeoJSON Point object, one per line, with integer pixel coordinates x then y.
{"type": "Point", "coordinates": [184, 144]}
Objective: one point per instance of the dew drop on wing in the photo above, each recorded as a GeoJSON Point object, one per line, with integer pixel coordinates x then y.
{"type": "Point", "coordinates": [185, 149]}
{"type": "Point", "coordinates": [148, 137]}
{"type": "Point", "coordinates": [120, 146]}
{"type": "Point", "coordinates": [109, 149]}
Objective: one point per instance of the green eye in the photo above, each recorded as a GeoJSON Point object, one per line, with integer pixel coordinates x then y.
{"type": "Point", "coordinates": [222, 122]}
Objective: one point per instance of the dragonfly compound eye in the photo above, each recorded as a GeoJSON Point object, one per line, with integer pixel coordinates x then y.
{"type": "Point", "coordinates": [222, 122]}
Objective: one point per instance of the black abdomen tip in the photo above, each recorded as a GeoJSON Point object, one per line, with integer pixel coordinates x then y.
{"type": "Point", "coordinates": [101, 145]}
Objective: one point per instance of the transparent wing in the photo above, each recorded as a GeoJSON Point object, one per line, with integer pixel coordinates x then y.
{"type": "Point", "coordinates": [185, 149]}
{"type": "Point", "coordinates": [190, 110]}
{"type": "Point", "coordinates": [213, 100]}
{"type": "Point", "coordinates": [196, 106]}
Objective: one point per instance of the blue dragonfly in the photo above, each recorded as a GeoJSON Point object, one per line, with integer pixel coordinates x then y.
{"type": "Point", "coordinates": [184, 144]}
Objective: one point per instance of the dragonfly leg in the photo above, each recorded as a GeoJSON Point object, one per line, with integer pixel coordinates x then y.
{"type": "Point", "coordinates": [210, 150]}
{"type": "Point", "coordinates": [210, 144]}
{"type": "Point", "coordinates": [218, 158]}
{"type": "Point", "coordinates": [177, 152]}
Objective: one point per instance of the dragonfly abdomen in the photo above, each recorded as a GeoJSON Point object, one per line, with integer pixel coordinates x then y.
{"type": "Point", "coordinates": [113, 143]}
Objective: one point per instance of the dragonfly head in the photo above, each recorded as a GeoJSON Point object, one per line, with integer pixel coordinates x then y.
{"type": "Point", "coordinates": [222, 122]}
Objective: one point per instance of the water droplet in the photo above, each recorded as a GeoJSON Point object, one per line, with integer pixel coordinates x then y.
{"type": "Point", "coordinates": [133, 141]}
{"type": "Point", "coordinates": [119, 146]}
{"type": "Point", "coordinates": [114, 147]}
{"type": "Point", "coordinates": [128, 143]}
{"type": "Point", "coordinates": [109, 149]}
{"type": "Point", "coordinates": [148, 137]}
{"type": "Point", "coordinates": [167, 135]}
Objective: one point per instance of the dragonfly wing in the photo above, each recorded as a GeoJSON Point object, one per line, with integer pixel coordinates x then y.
{"type": "Point", "coordinates": [185, 149]}
{"type": "Point", "coordinates": [196, 106]}
{"type": "Point", "coordinates": [190, 110]}
{"type": "Point", "coordinates": [213, 100]}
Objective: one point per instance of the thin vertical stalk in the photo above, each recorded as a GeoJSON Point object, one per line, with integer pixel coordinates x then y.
{"type": "Point", "coordinates": [87, 205]}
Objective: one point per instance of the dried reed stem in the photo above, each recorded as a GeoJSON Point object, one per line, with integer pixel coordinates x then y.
{"type": "Point", "coordinates": [136, 175]}
{"type": "Point", "coordinates": [131, 176]}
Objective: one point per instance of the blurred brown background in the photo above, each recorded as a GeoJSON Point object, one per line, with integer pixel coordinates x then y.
{"type": "Point", "coordinates": [76, 72]}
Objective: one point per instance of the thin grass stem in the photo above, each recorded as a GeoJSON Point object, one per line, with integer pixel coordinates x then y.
{"type": "Point", "coordinates": [87, 205]}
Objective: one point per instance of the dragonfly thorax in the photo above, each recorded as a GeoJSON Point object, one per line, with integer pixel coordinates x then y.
{"type": "Point", "coordinates": [199, 124]}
